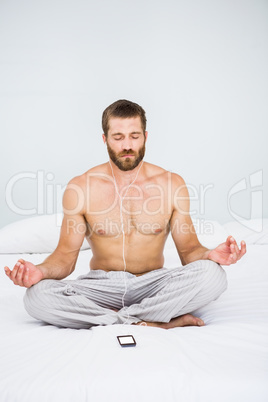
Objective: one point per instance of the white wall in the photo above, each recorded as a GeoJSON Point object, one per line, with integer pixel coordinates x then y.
{"type": "Point", "coordinates": [198, 67]}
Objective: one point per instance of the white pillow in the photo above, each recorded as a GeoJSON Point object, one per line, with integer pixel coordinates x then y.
{"type": "Point", "coordinates": [39, 234]}
{"type": "Point", "coordinates": [253, 231]}
{"type": "Point", "coordinates": [210, 233]}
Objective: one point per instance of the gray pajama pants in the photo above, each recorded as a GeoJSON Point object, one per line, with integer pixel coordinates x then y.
{"type": "Point", "coordinates": [94, 298]}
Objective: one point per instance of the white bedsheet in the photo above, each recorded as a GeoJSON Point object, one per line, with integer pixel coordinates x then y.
{"type": "Point", "coordinates": [226, 360]}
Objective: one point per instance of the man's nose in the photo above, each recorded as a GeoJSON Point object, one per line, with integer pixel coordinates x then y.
{"type": "Point", "coordinates": [127, 144]}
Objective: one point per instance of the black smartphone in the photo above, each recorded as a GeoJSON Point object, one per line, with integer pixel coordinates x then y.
{"type": "Point", "coordinates": [126, 340]}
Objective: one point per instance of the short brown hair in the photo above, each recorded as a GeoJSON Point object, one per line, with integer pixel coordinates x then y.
{"type": "Point", "coordinates": [124, 109]}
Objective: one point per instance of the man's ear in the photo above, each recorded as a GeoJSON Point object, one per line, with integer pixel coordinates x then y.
{"type": "Point", "coordinates": [146, 135]}
{"type": "Point", "coordinates": [104, 138]}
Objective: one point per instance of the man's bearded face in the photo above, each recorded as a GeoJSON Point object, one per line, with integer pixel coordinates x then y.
{"type": "Point", "coordinates": [126, 159]}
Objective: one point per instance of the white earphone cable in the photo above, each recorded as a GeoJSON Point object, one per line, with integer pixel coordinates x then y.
{"type": "Point", "coordinates": [122, 226]}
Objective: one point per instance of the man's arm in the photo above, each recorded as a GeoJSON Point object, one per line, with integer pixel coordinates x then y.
{"type": "Point", "coordinates": [61, 262]}
{"type": "Point", "coordinates": [181, 225]}
{"type": "Point", "coordinates": [184, 235]}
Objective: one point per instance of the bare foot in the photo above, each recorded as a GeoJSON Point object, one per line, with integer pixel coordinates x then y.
{"type": "Point", "coordinates": [181, 321]}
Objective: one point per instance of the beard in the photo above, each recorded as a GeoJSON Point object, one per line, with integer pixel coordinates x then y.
{"type": "Point", "coordinates": [125, 163]}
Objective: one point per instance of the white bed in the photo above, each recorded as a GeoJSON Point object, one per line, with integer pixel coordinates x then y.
{"type": "Point", "coordinates": [226, 360]}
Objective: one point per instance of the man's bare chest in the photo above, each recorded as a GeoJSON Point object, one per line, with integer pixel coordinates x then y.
{"type": "Point", "coordinates": [146, 213]}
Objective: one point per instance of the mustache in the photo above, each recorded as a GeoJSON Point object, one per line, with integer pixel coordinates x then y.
{"type": "Point", "coordinates": [130, 152]}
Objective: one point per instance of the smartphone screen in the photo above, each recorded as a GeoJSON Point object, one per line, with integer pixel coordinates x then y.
{"type": "Point", "coordinates": [126, 340]}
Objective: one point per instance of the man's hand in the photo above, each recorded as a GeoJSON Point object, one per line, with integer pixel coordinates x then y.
{"type": "Point", "coordinates": [227, 253]}
{"type": "Point", "coordinates": [24, 274]}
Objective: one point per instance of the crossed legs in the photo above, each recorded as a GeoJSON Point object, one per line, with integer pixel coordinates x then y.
{"type": "Point", "coordinates": [163, 297]}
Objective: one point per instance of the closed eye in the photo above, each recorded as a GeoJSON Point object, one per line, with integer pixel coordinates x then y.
{"type": "Point", "coordinates": [120, 138]}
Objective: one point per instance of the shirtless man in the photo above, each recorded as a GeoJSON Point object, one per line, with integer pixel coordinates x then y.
{"type": "Point", "coordinates": [126, 209]}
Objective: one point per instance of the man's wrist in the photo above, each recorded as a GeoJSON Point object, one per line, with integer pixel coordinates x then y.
{"type": "Point", "coordinates": [206, 255]}
{"type": "Point", "coordinates": [43, 270]}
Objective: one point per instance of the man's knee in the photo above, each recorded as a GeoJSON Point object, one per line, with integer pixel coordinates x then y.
{"type": "Point", "coordinates": [216, 277]}
{"type": "Point", "coordinates": [35, 297]}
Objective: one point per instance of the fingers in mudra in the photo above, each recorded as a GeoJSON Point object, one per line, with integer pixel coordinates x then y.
{"type": "Point", "coordinates": [236, 252]}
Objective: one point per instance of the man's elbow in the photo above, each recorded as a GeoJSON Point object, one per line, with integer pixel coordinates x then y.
{"type": "Point", "coordinates": [193, 254]}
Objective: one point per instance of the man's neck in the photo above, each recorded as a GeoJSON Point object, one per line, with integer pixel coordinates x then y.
{"type": "Point", "coordinates": [125, 177]}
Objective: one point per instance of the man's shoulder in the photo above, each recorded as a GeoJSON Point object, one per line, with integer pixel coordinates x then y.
{"type": "Point", "coordinates": [164, 174]}
{"type": "Point", "coordinates": [101, 172]}
{"type": "Point", "coordinates": [93, 176]}
{"type": "Point", "coordinates": [98, 171]}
